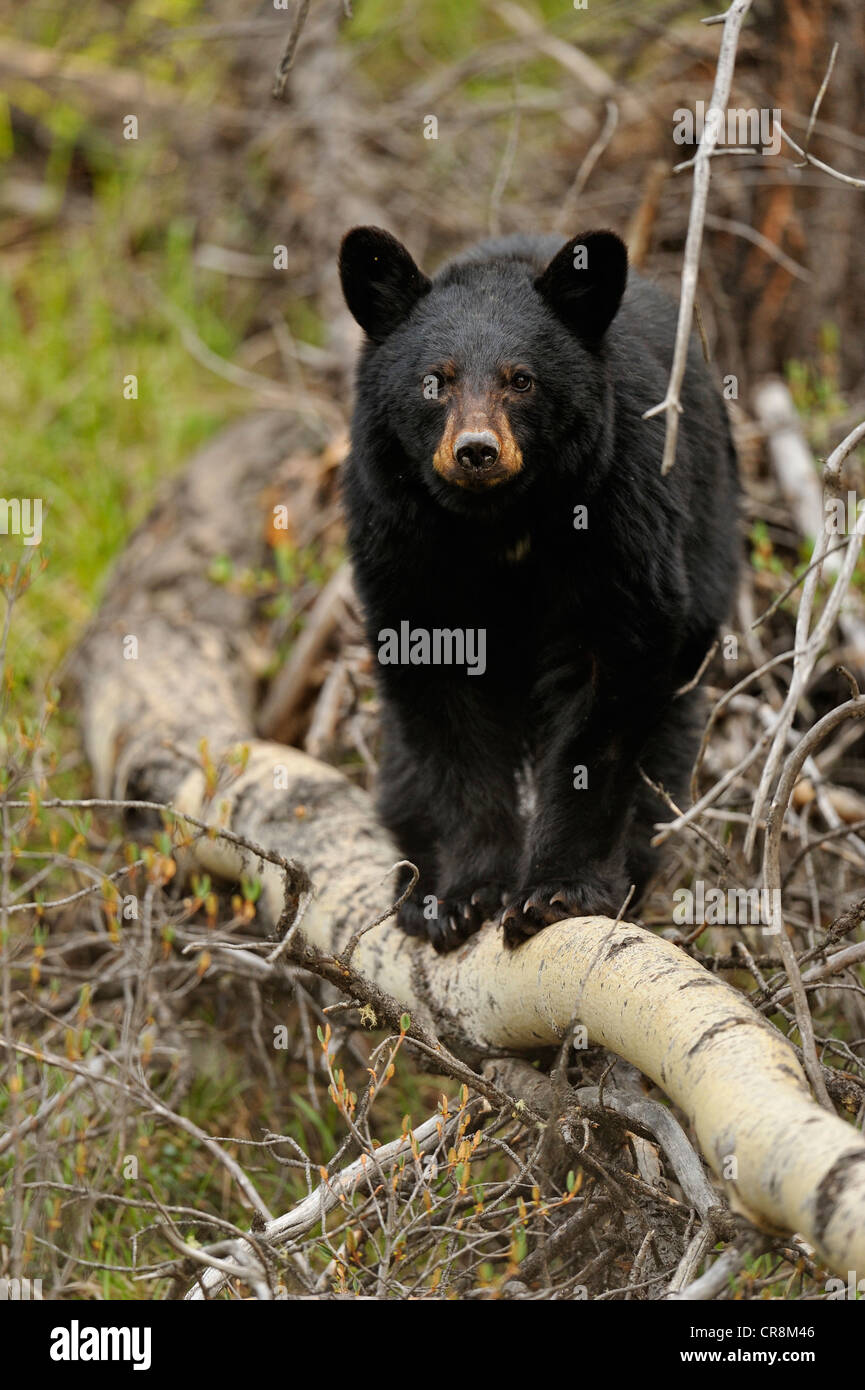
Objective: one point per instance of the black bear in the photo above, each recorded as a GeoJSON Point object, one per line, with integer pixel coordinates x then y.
{"type": "Point", "coordinates": [536, 592]}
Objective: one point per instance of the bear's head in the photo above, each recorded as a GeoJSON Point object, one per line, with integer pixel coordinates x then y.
{"type": "Point", "coordinates": [489, 376]}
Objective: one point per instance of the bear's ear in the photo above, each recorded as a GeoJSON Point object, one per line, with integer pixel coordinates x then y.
{"type": "Point", "coordinates": [380, 281]}
{"type": "Point", "coordinates": [584, 283]}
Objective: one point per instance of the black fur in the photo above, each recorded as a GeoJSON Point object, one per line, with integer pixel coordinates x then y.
{"type": "Point", "coordinates": [589, 632]}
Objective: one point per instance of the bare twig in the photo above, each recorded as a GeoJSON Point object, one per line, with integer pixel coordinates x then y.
{"type": "Point", "coordinates": [671, 405]}
{"type": "Point", "coordinates": [287, 59]}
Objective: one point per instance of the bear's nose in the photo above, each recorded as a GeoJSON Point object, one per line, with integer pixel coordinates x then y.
{"type": "Point", "coordinates": [476, 450]}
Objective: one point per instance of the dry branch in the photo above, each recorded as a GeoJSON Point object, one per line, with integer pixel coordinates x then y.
{"type": "Point", "coordinates": [799, 481]}
{"type": "Point", "coordinates": [811, 634]}
{"type": "Point", "coordinates": [671, 405]}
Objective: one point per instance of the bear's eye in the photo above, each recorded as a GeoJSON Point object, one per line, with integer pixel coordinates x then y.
{"type": "Point", "coordinates": [522, 381]}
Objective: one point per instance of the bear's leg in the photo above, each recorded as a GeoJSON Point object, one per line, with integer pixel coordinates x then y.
{"type": "Point", "coordinates": [403, 806]}
{"type": "Point", "coordinates": [667, 760]}
{"type": "Point", "coordinates": [448, 794]}
{"type": "Point", "coordinates": [576, 860]}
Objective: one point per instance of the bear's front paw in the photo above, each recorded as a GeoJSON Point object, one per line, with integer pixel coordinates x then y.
{"type": "Point", "coordinates": [543, 904]}
{"type": "Point", "coordinates": [410, 918]}
{"type": "Point", "coordinates": [453, 918]}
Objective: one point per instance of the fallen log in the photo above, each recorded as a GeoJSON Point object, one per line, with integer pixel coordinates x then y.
{"type": "Point", "coordinates": [780, 1158]}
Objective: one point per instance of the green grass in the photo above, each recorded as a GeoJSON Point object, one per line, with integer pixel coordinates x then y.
{"type": "Point", "coordinates": [77, 318]}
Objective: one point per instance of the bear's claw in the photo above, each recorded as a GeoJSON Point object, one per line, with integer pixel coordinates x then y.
{"type": "Point", "coordinates": [533, 909]}
{"type": "Point", "coordinates": [457, 917]}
